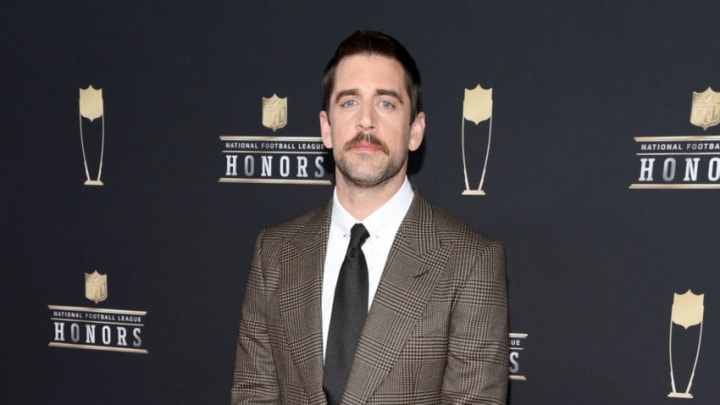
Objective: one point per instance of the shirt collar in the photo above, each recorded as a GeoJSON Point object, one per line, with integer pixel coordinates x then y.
{"type": "Point", "coordinates": [385, 219]}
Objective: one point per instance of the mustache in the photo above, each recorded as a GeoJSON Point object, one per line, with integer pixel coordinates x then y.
{"type": "Point", "coordinates": [367, 138]}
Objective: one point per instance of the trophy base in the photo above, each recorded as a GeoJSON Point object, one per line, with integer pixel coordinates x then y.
{"type": "Point", "coordinates": [473, 192]}
{"type": "Point", "coordinates": [680, 395]}
{"type": "Point", "coordinates": [94, 183]}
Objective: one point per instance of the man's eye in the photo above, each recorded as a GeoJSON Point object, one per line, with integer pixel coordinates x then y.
{"type": "Point", "coordinates": [386, 104]}
{"type": "Point", "coordinates": [348, 103]}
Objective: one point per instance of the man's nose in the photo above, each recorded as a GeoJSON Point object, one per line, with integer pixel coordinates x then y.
{"type": "Point", "coordinates": [367, 118]}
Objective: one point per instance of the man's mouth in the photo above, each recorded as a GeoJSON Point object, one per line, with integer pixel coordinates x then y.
{"type": "Point", "coordinates": [366, 141]}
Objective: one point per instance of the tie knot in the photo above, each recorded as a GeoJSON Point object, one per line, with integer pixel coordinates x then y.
{"type": "Point", "coordinates": [358, 235]}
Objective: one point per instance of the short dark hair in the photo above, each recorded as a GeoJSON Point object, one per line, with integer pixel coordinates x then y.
{"type": "Point", "coordinates": [375, 43]}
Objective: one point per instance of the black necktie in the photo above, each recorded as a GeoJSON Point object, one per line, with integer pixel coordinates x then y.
{"type": "Point", "coordinates": [348, 317]}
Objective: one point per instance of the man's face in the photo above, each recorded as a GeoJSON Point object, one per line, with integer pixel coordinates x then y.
{"type": "Point", "coordinates": [368, 123]}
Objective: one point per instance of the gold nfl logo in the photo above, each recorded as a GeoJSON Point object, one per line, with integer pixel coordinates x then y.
{"type": "Point", "coordinates": [274, 114]}
{"type": "Point", "coordinates": [96, 287]}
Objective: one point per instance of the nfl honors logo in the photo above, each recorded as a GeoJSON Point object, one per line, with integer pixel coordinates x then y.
{"type": "Point", "coordinates": [265, 159]}
{"type": "Point", "coordinates": [683, 162]}
{"type": "Point", "coordinates": [93, 328]}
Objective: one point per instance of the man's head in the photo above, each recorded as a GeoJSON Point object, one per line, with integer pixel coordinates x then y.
{"type": "Point", "coordinates": [371, 118]}
{"type": "Point", "coordinates": [375, 43]}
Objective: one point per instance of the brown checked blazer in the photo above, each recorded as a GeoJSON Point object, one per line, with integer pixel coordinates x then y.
{"type": "Point", "coordinates": [436, 331]}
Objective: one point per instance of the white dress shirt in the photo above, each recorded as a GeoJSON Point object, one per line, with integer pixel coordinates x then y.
{"type": "Point", "coordinates": [382, 225]}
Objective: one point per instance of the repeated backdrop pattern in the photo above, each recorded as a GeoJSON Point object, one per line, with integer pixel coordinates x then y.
{"type": "Point", "coordinates": [593, 264]}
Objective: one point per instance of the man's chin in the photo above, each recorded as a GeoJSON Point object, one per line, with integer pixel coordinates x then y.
{"type": "Point", "coordinates": [370, 180]}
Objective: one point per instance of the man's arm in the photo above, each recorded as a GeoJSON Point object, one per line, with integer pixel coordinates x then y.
{"type": "Point", "coordinates": [255, 378]}
{"type": "Point", "coordinates": [477, 364]}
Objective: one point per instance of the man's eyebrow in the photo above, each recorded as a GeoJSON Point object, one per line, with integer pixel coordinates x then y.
{"type": "Point", "coordinates": [379, 92]}
{"type": "Point", "coordinates": [391, 93]}
{"type": "Point", "coordinates": [343, 93]}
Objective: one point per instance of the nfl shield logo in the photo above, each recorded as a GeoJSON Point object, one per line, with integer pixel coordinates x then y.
{"type": "Point", "coordinates": [688, 309]}
{"type": "Point", "coordinates": [478, 104]}
{"type": "Point", "coordinates": [96, 287]}
{"type": "Point", "coordinates": [274, 114]}
{"type": "Point", "coordinates": [91, 103]}
{"type": "Point", "coordinates": [705, 111]}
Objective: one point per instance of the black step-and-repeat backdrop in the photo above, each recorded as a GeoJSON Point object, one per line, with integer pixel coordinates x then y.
{"type": "Point", "coordinates": [146, 143]}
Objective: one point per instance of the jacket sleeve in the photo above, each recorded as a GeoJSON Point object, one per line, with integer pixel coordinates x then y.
{"type": "Point", "coordinates": [255, 378]}
{"type": "Point", "coordinates": [477, 364]}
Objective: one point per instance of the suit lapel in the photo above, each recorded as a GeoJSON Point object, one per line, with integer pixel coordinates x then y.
{"type": "Point", "coordinates": [415, 262]}
{"type": "Point", "coordinates": [302, 262]}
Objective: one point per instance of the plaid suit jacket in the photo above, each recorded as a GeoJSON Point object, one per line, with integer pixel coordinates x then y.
{"type": "Point", "coordinates": [436, 331]}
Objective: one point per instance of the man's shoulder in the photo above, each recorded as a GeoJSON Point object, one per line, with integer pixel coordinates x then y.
{"type": "Point", "coordinates": [313, 219]}
{"type": "Point", "coordinates": [451, 227]}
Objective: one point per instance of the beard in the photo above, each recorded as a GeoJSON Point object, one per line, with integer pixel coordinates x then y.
{"type": "Point", "coordinates": [360, 173]}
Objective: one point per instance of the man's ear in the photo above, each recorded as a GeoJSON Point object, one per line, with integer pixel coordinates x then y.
{"type": "Point", "coordinates": [417, 132]}
{"type": "Point", "coordinates": [325, 130]}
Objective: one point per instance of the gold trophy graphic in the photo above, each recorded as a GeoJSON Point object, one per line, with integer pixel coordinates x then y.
{"type": "Point", "coordinates": [91, 108]}
{"type": "Point", "coordinates": [477, 107]}
{"type": "Point", "coordinates": [687, 311]}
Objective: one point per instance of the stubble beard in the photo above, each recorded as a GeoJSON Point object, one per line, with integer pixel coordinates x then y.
{"type": "Point", "coordinates": [352, 174]}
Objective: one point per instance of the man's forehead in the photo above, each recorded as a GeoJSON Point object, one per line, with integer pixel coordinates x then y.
{"type": "Point", "coordinates": [369, 60]}
{"type": "Point", "coordinates": [380, 73]}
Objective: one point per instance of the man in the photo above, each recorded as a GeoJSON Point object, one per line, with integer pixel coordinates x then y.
{"type": "Point", "coordinates": [434, 329]}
